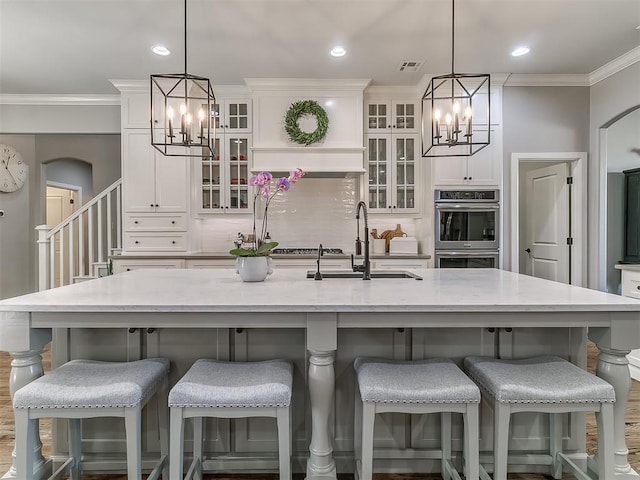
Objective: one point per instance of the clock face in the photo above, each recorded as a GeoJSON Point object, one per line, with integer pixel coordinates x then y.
{"type": "Point", "coordinates": [13, 171]}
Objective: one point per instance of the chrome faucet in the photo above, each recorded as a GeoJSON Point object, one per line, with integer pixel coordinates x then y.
{"type": "Point", "coordinates": [318, 275]}
{"type": "Point", "coordinates": [365, 268]}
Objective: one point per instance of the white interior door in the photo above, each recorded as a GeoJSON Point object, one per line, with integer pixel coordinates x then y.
{"type": "Point", "coordinates": [548, 223]}
{"type": "Point", "coordinates": [61, 203]}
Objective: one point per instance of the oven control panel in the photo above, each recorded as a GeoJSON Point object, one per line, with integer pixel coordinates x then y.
{"type": "Point", "coordinates": [467, 195]}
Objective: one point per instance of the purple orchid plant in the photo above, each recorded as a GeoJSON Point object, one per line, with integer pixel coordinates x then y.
{"type": "Point", "coordinates": [267, 189]}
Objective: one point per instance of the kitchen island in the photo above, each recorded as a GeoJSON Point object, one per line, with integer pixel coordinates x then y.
{"type": "Point", "coordinates": [450, 313]}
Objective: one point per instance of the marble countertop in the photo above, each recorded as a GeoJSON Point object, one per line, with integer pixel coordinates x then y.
{"type": "Point", "coordinates": [227, 256]}
{"type": "Point", "coordinates": [287, 290]}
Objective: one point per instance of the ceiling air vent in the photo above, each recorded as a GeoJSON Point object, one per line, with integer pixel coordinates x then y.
{"type": "Point", "coordinates": [410, 66]}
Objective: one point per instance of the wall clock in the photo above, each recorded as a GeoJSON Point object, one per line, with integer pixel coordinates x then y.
{"type": "Point", "coordinates": [13, 170]}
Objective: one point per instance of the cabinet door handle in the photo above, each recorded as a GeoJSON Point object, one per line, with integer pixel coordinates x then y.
{"type": "Point", "coordinates": [135, 221]}
{"type": "Point", "coordinates": [151, 204]}
{"type": "Point", "coordinates": [464, 178]}
{"type": "Point", "coordinates": [137, 242]}
{"type": "Point", "coordinates": [173, 222]}
{"type": "Point", "coordinates": [157, 205]}
{"type": "Point", "coordinates": [128, 269]}
{"type": "Point", "coordinates": [173, 242]}
{"type": "Point", "coordinates": [470, 178]}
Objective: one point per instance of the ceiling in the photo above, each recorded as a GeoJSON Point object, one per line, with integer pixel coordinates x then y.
{"type": "Point", "coordinates": [76, 46]}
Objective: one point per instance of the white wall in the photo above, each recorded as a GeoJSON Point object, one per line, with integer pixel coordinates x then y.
{"type": "Point", "coordinates": [608, 100]}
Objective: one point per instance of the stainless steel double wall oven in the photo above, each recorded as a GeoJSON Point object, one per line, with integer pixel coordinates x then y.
{"type": "Point", "coordinates": [467, 226]}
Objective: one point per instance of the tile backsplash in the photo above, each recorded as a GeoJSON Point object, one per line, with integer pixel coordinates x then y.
{"type": "Point", "coordinates": [314, 211]}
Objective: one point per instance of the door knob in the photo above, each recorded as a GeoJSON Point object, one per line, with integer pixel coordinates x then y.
{"type": "Point", "coordinates": [528, 250]}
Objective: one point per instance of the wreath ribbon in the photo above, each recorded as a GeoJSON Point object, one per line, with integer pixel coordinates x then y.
{"type": "Point", "coordinates": [299, 110]}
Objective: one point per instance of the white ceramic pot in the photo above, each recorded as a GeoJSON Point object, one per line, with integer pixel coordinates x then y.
{"type": "Point", "coordinates": [254, 269]}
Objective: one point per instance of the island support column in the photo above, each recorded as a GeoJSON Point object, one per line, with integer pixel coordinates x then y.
{"type": "Point", "coordinates": [322, 341]}
{"type": "Point", "coordinates": [25, 347]}
{"type": "Point", "coordinates": [615, 343]}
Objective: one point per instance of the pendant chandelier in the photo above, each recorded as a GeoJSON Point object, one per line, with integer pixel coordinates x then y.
{"type": "Point", "coordinates": [181, 111]}
{"type": "Point", "coordinates": [456, 111]}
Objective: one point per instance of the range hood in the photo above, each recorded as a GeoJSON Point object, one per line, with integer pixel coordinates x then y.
{"type": "Point", "coordinates": [315, 162]}
{"type": "Point", "coordinates": [339, 154]}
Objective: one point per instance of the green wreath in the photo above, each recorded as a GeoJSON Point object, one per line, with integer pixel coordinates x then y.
{"type": "Point", "coordinates": [300, 109]}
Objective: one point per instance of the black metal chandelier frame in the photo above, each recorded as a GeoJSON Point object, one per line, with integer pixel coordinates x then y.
{"type": "Point", "coordinates": [185, 92]}
{"type": "Point", "coordinates": [470, 89]}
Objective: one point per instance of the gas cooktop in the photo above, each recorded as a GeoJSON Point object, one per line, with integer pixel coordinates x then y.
{"type": "Point", "coordinates": [307, 251]}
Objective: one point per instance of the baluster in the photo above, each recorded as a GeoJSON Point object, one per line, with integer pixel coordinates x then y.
{"type": "Point", "coordinates": [109, 228]}
{"type": "Point", "coordinates": [100, 239]}
{"type": "Point", "coordinates": [118, 218]}
{"type": "Point", "coordinates": [61, 258]}
{"type": "Point", "coordinates": [90, 236]}
{"type": "Point", "coordinates": [52, 257]}
{"type": "Point", "coordinates": [81, 268]}
{"type": "Point", "coordinates": [71, 256]}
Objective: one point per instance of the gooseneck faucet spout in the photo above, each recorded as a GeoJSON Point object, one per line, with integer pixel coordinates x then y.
{"type": "Point", "coordinates": [365, 268]}
{"type": "Point", "coordinates": [318, 275]}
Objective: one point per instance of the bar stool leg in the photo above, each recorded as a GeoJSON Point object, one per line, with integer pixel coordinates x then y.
{"type": "Point", "coordinates": [284, 442]}
{"type": "Point", "coordinates": [132, 420]}
{"type": "Point", "coordinates": [25, 429]}
{"type": "Point", "coordinates": [501, 418]}
{"type": "Point", "coordinates": [176, 446]}
{"type": "Point", "coordinates": [163, 424]}
{"type": "Point", "coordinates": [445, 444]}
{"type": "Point", "coordinates": [357, 430]}
{"type": "Point", "coordinates": [555, 444]}
{"type": "Point", "coordinates": [198, 441]}
{"type": "Point", "coordinates": [75, 446]}
{"type": "Point", "coordinates": [471, 442]}
{"type": "Point", "coordinates": [368, 419]}
{"type": "Point", "coordinates": [606, 460]}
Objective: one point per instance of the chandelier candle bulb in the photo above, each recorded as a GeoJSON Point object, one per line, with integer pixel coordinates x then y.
{"type": "Point", "coordinates": [170, 117]}
{"type": "Point", "coordinates": [436, 124]}
{"type": "Point", "coordinates": [456, 118]}
{"type": "Point", "coordinates": [467, 118]}
{"type": "Point", "coordinates": [447, 119]}
{"type": "Point", "coordinates": [201, 120]}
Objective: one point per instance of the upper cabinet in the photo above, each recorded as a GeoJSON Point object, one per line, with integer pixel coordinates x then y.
{"type": "Point", "coordinates": [387, 115]}
{"type": "Point", "coordinates": [392, 172]}
{"type": "Point", "coordinates": [232, 115]}
{"type": "Point", "coordinates": [224, 177]}
{"type": "Point", "coordinates": [482, 169]}
{"type": "Point", "coordinates": [152, 182]}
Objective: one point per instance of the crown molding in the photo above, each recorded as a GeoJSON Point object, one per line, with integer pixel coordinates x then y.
{"type": "Point", "coordinates": [547, 80]}
{"type": "Point", "coordinates": [19, 99]}
{"type": "Point", "coordinates": [131, 86]}
{"type": "Point", "coordinates": [614, 66]}
{"type": "Point", "coordinates": [306, 84]}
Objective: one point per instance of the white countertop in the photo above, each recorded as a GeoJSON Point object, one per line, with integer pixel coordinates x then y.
{"type": "Point", "coordinates": [634, 267]}
{"type": "Point", "coordinates": [222, 290]}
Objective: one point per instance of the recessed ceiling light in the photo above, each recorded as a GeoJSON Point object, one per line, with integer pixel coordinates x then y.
{"type": "Point", "coordinates": [520, 51]}
{"type": "Point", "coordinates": [161, 50]}
{"type": "Point", "coordinates": [338, 51]}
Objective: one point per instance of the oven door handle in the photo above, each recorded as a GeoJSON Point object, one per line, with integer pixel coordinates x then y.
{"type": "Point", "coordinates": [465, 206]}
{"type": "Point", "coordinates": [477, 253]}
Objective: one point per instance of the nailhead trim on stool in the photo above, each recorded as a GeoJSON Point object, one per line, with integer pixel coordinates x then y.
{"type": "Point", "coordinates": [89, 389]}
{"type": "Point", "coordinates": [416, 387]}
{"type": "Point", "coordinates": [219, 389]}
{"type": "Point", "coordinates": [545, 384]}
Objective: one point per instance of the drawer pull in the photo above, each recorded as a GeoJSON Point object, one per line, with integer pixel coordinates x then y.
{"type": "Point", "coordinates": [173, 242]}
{"type": "Point", "coordinates": [137, 242]}
{"type": "Point", "coordinates": [173, 222]}
{"type": "Point", "coordinates": [135, 221]}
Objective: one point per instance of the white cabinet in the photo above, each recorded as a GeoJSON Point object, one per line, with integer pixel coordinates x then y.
{"type": "Point", "coordinates": [151, 181]}
{"type": "Point", "coordinates": [392, 170]}
{"type": "Point", "coordinates": [326, 263]}
{"type": "Point", "coordinates": [224, 177]}
{"type": "Point", "coordinates": [482, 169]}
{"type": "Point", "coordinates": [387, 115]}
{"type": "Point", "coordinates": [122, 264]}
{"type": "Point", "coordinates": [232, 115]}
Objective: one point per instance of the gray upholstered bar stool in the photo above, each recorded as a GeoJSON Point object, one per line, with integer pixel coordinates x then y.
{"type": "Point", "coordinates": [545, 384]}
{"type": "Point", "coordinates": [219, 389]}
{"type": "Point", "coordinates": [416, 387]}
{"type": "Point", "coordinates": [89, 389]}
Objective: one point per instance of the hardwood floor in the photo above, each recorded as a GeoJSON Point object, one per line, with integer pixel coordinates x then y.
{"type": "Point", "coordinates": [6, 433]}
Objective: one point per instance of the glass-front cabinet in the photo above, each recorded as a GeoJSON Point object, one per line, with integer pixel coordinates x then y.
{"type": "Point", "coordinates": [232, 116]}
{"type": "Point", "coordinates": [225, 176]}
{"type": "Point", "coordinates": [387, 116]}
{"type": "Point", "coordinates": [391, 173]}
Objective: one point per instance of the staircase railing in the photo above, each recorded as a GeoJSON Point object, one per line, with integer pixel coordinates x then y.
{"type": "Point", "coordinates": [81, 244]}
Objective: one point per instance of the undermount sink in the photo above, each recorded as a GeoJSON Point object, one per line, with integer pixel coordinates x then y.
{"type": "Point", "coordinates": [374, 274]}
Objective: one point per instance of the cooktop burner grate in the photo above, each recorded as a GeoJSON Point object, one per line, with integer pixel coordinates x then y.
{"type": "Point", "coordinates": [307, 251]}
